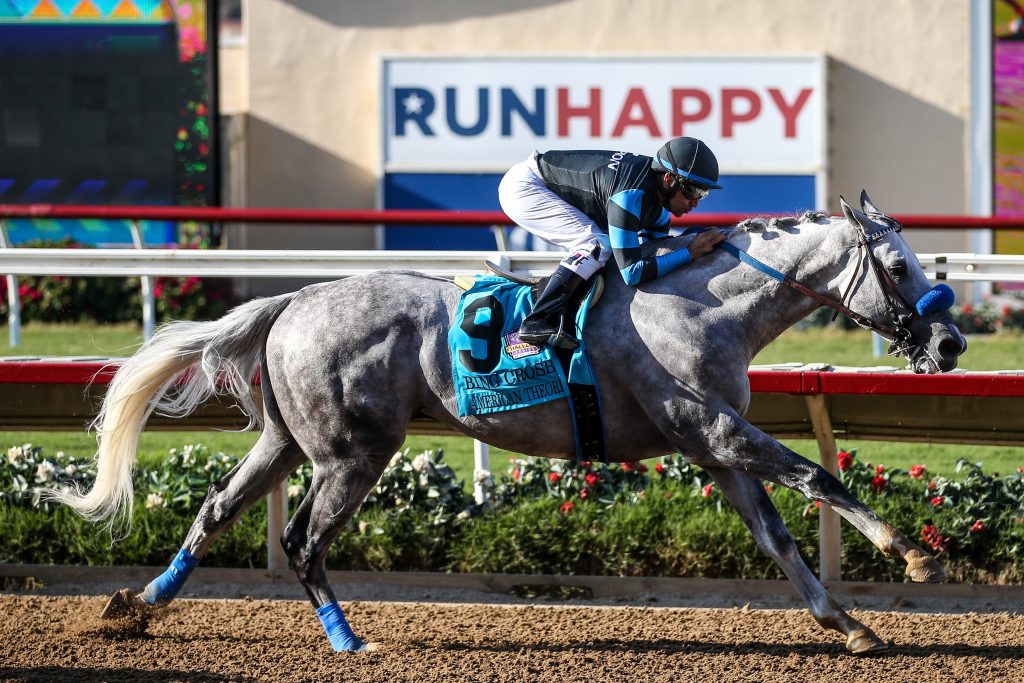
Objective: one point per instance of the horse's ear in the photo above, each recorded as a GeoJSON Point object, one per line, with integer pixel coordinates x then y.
{"type": "Point", "coordinates": [856, 217]}
{"type": "Point", "coordinates": [847, 210]}
{"type": "Point", "coordinates": [866, 204]}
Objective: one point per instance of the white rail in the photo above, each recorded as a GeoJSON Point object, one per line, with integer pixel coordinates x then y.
{"type": "Point", "coordinates": [345, 263]}
{"type": "Point", "coordinates": [260, 263]}
{"type": "Point", "coordinates": [974, 267]}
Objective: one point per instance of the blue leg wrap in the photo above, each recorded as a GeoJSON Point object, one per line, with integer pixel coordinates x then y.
{"type": "Point", "coordinates": [163, 588]}
{"type": "Point", "coordinates": [338, 631]}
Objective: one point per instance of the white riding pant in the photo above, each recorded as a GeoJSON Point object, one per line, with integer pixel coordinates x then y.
{"type": "Point", "coordinates": [527, 200]}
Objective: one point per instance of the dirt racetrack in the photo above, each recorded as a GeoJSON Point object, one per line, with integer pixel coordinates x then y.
{"type": "Point", "coordinates": [52, 638]}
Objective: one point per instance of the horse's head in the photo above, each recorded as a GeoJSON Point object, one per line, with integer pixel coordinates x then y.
{"type": "Point", "coordinates": [889, 287]}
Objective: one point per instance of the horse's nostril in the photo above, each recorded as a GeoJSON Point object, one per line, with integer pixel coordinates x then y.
{"type": "Point", "coordinates": [949, 347]}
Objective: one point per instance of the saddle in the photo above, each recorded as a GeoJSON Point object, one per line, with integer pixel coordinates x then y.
{"type": "Point", "coordinates": [537, 284]}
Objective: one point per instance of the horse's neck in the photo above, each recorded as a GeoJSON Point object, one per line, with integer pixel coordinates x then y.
{"type": "Point", "coordinates": [766, 307]}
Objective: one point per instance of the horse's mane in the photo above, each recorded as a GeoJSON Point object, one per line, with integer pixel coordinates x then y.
{"type": "Point", "coordinates": [761, 223]}
{"type": "Point", "coordinates": [755, 224]}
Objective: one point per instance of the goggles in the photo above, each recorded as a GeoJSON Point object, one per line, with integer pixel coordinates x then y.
{"type": "Point", "coordinates": [692, 192]}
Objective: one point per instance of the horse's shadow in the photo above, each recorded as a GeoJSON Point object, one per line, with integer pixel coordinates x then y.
{"type": "Point", "coordinates": [665, 646]}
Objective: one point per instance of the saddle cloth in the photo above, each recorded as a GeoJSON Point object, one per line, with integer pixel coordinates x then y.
{"type": "Point", "coordinates": [494, 371]}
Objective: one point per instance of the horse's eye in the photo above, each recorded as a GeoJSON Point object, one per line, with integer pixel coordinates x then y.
{"type": "Point", "coordinates": [898, 270]}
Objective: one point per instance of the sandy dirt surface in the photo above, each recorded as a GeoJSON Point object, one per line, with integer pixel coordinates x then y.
{"type": "Point", "coordinates": [60, 638]}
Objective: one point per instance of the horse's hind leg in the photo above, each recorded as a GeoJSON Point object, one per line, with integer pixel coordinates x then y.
{"type": "Point", "coordinates": [748, 497]}
{"type": "Point", "coordinates": [340, 483]}
{"type": "Point", "coordinates": [270, 460]}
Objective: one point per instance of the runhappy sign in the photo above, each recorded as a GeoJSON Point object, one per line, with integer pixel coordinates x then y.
{"type": "Point", "coordinates": [760, 114]}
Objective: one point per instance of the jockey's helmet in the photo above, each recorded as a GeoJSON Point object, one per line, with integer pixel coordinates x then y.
{"type": "Point", "coordinates": [690, 160]}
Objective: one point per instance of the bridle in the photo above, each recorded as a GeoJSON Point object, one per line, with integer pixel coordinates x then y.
{"type": "Point", "coordinates": [899, 332]}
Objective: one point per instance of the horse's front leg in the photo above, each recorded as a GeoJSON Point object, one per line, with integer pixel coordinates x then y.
{"type": "Point", "coordinates": [736, 444]}
{"type": "Point", "coordinates": [747, 495]}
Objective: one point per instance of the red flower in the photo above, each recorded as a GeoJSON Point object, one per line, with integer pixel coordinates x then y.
{"type": "Point", "coordinates": [554, 477]}
{"type": "Point", "coordinates": [584, 494]}
{"type": "Point", "coordinates": [937, 501]}
{"type": "Point", "coordinates": [660, 469]}
{"type": "Point", "coordinates": [566, 506]}
{"type": "Point", "coordinates": [189, 285]}
{"type": "Point", "coordinates": [931, 485]}
{"type": "Point", "coordinates": [768, 488]}
{"type": "Point", "coordinates": [585, 464]}
{"type": "Point", "coordinates": [880, 469]}
{"type": "Point", "coordinates": [706, 491]}
{"type": "Point", "coordinates": [917, 471]}
{"type": "Point", "coordinates": [515, 474]}
{"type": "Point", "coordinates": [158, 290]}
{"type": "Point", "coordinates": [628, 466]}
{"type": "Point", "coordinates": [977, 527]}
{"type": "Point", "coordinates": [817, 504]}
{"type": "Point", "coordinates": [845, 460]}
{"type": "Point", "coordinates": [931, 536]}
{"type": "Point", "coordinates": [591, 479]}
{"type": "Point", "coordinates": [879, 483]}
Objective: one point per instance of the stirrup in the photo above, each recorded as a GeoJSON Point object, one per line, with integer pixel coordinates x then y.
{"type": "Point", "coordinates": [558, 339]}
{"type": "Point", "coordinates": [561, 340]}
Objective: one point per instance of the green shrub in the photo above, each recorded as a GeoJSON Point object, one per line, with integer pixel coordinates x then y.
{"type": "Point", "coordinates": [540, 516]}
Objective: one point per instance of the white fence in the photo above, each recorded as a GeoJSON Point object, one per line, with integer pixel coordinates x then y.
{"type": "Point", "coordinates": [148, 263]}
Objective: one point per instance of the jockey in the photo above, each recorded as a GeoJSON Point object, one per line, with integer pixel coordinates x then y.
{"type": "Point", "coordinates": [598, 203]}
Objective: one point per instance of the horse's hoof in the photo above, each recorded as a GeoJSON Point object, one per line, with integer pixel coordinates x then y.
{"type": "Point", "coordinates": [864, 642]}
{"type": "Point", "coordinates": [122, 604]}
{"type": "Point", "coordinates": [922, 568]}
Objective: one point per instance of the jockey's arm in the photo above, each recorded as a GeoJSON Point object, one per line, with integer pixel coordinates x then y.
{"type": "Point", "coordinates": [624, 234]}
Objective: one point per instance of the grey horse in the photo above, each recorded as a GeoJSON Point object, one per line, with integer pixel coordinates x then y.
{"type": "Point", "coordinates": [345, 365]}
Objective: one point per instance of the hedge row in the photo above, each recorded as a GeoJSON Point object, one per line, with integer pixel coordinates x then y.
{"type": "Point", "coordinates": [540, 517]}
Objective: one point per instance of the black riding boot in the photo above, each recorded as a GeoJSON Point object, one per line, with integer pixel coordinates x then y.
{"type": "Point", "coordinates": [546, 322]}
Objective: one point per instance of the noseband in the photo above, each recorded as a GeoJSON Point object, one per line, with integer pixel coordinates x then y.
{"type": "Point", "coordinates": [901, 312]}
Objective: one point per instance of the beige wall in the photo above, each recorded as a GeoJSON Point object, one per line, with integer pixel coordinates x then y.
{"type": "Point", "coordinates": [233, 93]}
{"type": "Point", "coordinates": [898, 85]}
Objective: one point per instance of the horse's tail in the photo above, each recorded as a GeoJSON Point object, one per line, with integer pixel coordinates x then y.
{"type": "Point", "coordinates": [180, 367]}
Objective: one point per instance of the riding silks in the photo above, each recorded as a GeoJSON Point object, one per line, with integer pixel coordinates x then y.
{"type": "Point", "coordinates": [494, 371]}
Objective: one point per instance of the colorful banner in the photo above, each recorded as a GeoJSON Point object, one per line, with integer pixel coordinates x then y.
{"type": "Point", "coordinates": [107, 102]}
{"type": "Point", "coordinates": [1008, 114]}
